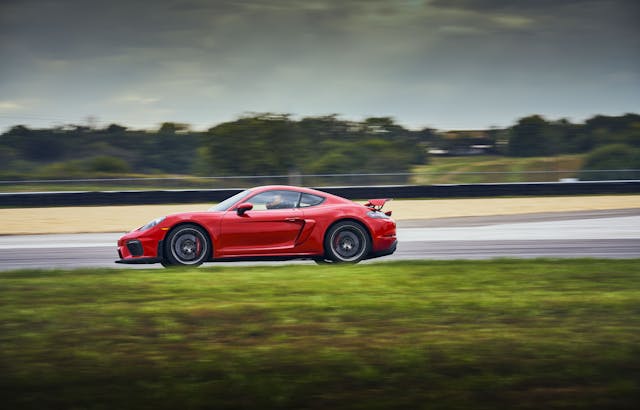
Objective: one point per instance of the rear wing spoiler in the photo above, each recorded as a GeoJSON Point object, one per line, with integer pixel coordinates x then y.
{"type": "Point", "coordinates": [377, 204]}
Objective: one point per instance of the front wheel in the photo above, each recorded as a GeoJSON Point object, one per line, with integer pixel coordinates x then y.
{"type": "Point", "coordinates": [187, 245]}
{"type": "Point", "coordinates": [347, 241]}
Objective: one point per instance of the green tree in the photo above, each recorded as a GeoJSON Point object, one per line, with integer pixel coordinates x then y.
{"type": "Point", "coordinates": [35, 145]}
{"type": "Point", "coordinates": [607, 163]}
{"type": "Point", "coordinates": [530, 138]}
{"type": "Point", "coordinates": [605, 130]}
{"type": "Point", "coordinates": [171, 128]}
{"type": "Point", "coordinates": [266, 144]}
{"type": "Point", "coordinates": [273, 144]}
{"type": "Point", "coordinates": [115, 129]}
{"type": "Point", "coordinates": [402, 139]}
{"type": "Point", "coordinates": [109, 165]}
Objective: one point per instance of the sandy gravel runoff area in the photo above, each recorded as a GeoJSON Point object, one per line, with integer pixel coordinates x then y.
{"type": "Point", "coordinates": [91, 219]}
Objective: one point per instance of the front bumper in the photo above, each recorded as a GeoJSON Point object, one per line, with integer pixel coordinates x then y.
{"type": "Point", "coordinates": [139, 261]}
{"type": "Point", "coordinates": [138, 248]}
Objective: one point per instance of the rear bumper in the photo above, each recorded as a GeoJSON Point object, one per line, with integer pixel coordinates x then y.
{"type": "Point", "coordinates": [384, 252]}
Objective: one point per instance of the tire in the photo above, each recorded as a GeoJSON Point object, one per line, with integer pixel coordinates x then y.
{"type": "Point", "coordinates": [347, 242]}
{"type": "Point", "coordinates": [187, 245]}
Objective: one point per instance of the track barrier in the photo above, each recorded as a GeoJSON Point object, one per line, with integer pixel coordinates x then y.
{"type": "Point", "coordinates": [147, 197]}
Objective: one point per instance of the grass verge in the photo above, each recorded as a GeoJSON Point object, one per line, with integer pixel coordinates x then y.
{"type": "Point", "coordinates": [497, 169]}
{"type": "Point", "coordinates": [490, 334]}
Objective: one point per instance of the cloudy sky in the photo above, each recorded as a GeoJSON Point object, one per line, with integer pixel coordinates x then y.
{"type": "Point", "coordinates": [448, 64]}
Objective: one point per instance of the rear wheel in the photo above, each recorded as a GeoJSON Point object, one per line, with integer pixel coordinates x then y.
{"type": "Point", "coordinates": [347, 241]}
{"type": "Point", "coordinates": [187, 245]}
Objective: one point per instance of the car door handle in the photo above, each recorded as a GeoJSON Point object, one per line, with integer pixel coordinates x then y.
{"type": "Point", "coordinates": [294, 220]}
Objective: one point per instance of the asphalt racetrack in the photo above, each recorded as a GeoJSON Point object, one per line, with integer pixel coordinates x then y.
{"type": "Point", "coordinates": [598, 234]}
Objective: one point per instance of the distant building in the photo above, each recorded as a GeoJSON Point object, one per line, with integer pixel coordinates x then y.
{"type": "Point", "coordinates": [462, 143]}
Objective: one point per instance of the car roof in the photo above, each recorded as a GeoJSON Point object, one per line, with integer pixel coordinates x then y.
{"type": "Point", "coordinates": [296, 188]}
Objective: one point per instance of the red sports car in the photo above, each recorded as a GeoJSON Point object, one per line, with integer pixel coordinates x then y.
{"type": "Point", "coordinates": [269, 222]}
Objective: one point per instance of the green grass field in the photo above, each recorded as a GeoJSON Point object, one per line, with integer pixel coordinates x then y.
{"type": "Point", "coordinates": [441, 170]}
{"type": "Point", "coordinates": [497, 169]}
{"type": "Point", "coordinates": [529, 334]}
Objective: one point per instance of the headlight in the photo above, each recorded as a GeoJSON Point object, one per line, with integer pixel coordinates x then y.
{"type": "Point", "coordinates": [378, 215]}
{"type": "Point", "coordinates": [152, 223]}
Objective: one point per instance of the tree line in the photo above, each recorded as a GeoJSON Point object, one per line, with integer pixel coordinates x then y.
{"type": "Point", "coordinates": [277, 144]}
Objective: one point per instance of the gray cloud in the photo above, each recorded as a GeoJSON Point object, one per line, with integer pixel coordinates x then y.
{"type": "Point", "coordinates": [458, 63]}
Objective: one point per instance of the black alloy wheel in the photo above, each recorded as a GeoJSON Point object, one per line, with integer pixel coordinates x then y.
{"type": "Point", "coordinates": [187, 245]}
{"type": "Point", "coordinates": [347, 241]}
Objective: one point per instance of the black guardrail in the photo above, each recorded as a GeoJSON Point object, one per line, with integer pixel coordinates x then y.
{"type": "Point", "coordinates": [43, 199]}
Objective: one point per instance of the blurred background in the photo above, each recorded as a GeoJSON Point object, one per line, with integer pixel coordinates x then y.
{"type": "Point", "coordinates": [215, 94]}
{"type": "Point", "coordinates": [316, 151]}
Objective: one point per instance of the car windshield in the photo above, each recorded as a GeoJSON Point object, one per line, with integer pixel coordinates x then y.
{"type": "Point", "coordinates": [229, 202]}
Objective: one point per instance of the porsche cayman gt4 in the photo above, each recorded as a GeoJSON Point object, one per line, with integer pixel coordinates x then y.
{"type": "Point", "coordinates": [266, 223]}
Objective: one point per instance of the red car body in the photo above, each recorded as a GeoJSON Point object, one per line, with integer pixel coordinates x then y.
{"type": "Point", "coordinates": [269, 222]}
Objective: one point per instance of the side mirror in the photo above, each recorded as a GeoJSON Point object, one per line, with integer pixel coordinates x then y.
{"type": "Point", "coordinates": [242, 208]}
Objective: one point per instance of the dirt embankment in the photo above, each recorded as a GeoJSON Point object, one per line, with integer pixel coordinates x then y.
{"type": "Point", "coordinates": [126, 218]}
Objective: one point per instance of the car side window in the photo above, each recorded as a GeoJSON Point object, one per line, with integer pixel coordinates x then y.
{"type": "Point", "coordinates": [310, 200]}
{"type": "Point", "coordinates": [275, 200]}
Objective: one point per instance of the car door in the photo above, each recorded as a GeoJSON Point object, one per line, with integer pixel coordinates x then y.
{"type": "Point", "coordinates": [270, 228]}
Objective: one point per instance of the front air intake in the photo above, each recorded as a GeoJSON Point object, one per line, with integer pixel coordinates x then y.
{"type": "Point", "coordinates": [135, 248]}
